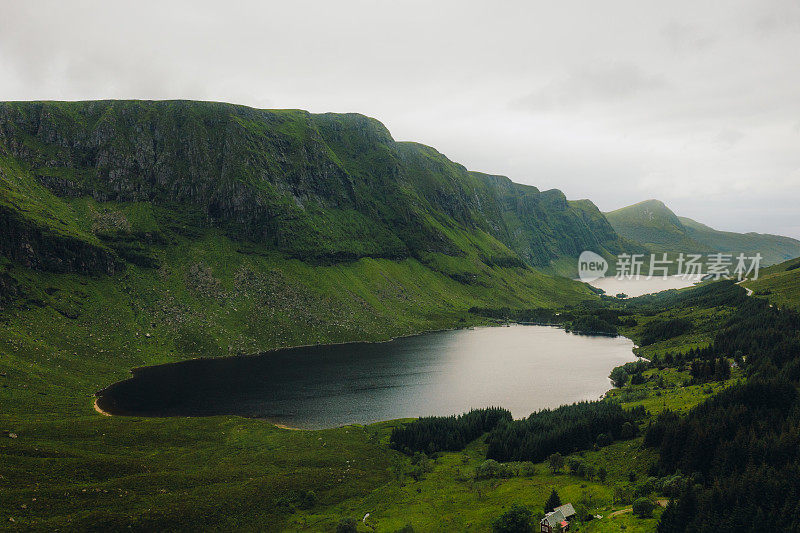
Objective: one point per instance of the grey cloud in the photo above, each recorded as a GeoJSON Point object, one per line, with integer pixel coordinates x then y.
{"type": "Point", "coordinates": [616, 101]}
{"type": "Point", "coordinates": [684, 37]}
{"type": "Point", "coordinates": [729, 137]}
{"type": "Point", "coordinates": [775, 17]}
{"type": "Point", "coordinates": [597, 83]}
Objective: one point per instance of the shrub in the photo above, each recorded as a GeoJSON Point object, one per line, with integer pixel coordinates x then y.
{"type": "Point", "coordinates": [421, 465]}
{"type": "Point", "coordinates": [347, 525]}
{"type": "Point", "coordinates": [619, 377]}
{"type": "Point", "coordinates": [622, 494]}
{"type": "Point", "coordinates": [603, 440]}
{"type": "Point", "coordinates": [628, 431]}
{"type": "Point", "coordinates": [643, 508]}
{"type": "Point", "coordinates": [490, 469]}
{"type": "Point", "coordinates": [516, 520]}
{"type": "Point", "coordinates": [308, 499]}
{"type": "Point", "coordinates": [527, 469]}
{"type": "Point", "coordinates": [556, 462]}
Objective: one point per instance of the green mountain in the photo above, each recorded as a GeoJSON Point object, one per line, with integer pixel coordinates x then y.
{"type": "Point", "coordinates": [774, 248]}
{"type": "Point", "coordinates": [655, 226]}
{"type": "Point", "coordinates": [319, 188]}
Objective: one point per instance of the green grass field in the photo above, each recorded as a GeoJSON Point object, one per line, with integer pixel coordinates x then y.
{"type": "Point", "coordinates": [449, 498]}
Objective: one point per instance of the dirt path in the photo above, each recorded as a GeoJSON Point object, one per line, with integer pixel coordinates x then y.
{"type": "Point", "coordinates": [749, 291]}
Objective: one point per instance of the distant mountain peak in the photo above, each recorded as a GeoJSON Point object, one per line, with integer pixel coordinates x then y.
{"type": "Point", "coordinates": [651, 215]}
{"type": "Point", "coordinates": [658, 228]}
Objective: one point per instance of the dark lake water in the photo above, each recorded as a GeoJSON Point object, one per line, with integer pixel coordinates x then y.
{"type": "Point", "coordinates": [521, 368]}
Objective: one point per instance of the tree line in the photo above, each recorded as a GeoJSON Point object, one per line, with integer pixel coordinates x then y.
{"type": "Point", "coordinates": [566, 429]}
{"type": "Point", "coordinates": [433, 434]}
{"type": "Point", "coordinates": [587, 319]}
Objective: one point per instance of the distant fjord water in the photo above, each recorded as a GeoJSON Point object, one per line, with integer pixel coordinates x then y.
{"type": "Point", "coordinates": [641, 285]}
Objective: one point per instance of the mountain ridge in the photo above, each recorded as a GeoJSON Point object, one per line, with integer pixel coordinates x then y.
{"type": "Point", "coordinates": [321, 188]}
{"type": "Point", "coordinates": [657, 227]}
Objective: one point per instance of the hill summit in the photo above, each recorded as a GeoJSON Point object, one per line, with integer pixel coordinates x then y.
{"type": "Point", "coordinates": [652, 224]}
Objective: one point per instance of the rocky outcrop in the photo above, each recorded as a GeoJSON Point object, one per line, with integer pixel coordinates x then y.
{"type": "Point", "coordinates": [34, 247]}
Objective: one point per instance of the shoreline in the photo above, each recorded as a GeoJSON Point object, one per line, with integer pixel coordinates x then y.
{"type": "Point", "coordinates": [132, 372]}
{"type": "Point", "coordinates": [98, 409]}
{"type": "Point", "coordinates": [278, 425]}
{"type": "Point", "coordinates": [290, 428]}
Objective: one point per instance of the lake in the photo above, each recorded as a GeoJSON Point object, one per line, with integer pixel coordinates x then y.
{"type": "Point", "coordinates": [642, 285]}
{"type": "Point", "coordinates": [521, 368]}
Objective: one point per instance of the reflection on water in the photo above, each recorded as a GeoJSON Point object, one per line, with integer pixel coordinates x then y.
{"type": "Point", "coordinates": [521, 368]}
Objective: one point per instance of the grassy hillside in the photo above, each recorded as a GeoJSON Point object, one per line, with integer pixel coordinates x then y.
{"type": "Point", "coordinates": [654, 225]}
{"type": "Point", "coordinates": [65, 335]}
{"type": "Point", "coordinates": [69, 467]}
{"type": "Point", "coordinates": [320, 188]}
{"type": "Point", "coordinates": [780, 284]}
{"type": "Point", "coordinates": [176, 288]}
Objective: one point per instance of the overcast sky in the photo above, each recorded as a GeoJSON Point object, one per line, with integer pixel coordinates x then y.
{"type": "Point", "coordinates": [694, 103]}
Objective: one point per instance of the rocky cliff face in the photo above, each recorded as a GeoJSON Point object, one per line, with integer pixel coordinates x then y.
{"type": "Point", "coordinates": [318, 187]}
{"type": "Point", "coordinates": [30, 246]}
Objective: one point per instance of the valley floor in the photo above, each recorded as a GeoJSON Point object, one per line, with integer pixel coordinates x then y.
{"type": "Point", "coordinates": [101, 473]}
{"type": "Point", "coordinates": [66, 467]}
